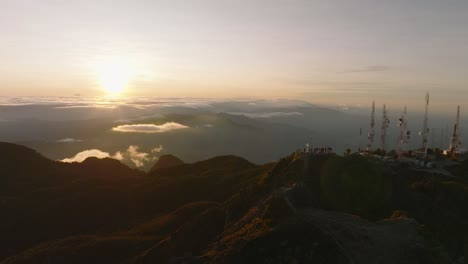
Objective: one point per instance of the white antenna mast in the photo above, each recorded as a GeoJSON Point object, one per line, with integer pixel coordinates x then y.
{"type": "Point", "coordinates": [456, 140]}
{"type": "Point", "coordinates": [425, 130]}
{"type": "Point", "coordinates": [385, 122]}
{"type": "Point", "coordinates": [404, 132]}
{"type": "Point", "coordinates": [371, 134]}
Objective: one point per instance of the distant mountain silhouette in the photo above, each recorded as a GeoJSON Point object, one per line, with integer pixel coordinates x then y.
{"type": "Point", "coordinates": [166, 161]}
{"type": "Point", "coordinates": [228, 210]}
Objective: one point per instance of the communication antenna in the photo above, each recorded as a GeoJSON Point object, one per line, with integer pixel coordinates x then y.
{"type": "Point", "coordinates": [405, 134]}
{"type": "Point", "coordinates": [371, 134]}
{"type": "Point", "coordinates": [385, 122]}
{"type": "Point", "coordinates": [425, 130]}
{"type": "Point", "coordinates": [455, 142]}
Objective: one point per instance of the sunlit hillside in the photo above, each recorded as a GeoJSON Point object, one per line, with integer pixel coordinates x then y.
{"type": "Point", "coordinates": [228, 210]}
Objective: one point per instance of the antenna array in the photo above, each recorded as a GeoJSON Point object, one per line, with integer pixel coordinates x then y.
{"type": "Point", "coordinates": [371, 134]}
{"type": "Point", "coordinates": [404, 132]}
{"type": "Point", "coordinates": [385, 122]}
{"type": "Point", "coordinates": [455, 142]}
{"type": "Point", "coordinates": [425, 132]}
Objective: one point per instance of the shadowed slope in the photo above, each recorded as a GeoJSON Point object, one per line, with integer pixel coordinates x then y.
{"type": "Point", "coordinates": [166, 161]}
{"type": "Point", "coordinates": [228, 210]}
{"type": "Point", "coordinates": [52, 200]}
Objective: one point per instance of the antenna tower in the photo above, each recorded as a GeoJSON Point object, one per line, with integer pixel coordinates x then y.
{"type": "Point", "coordinates": [385, 122]}
{"type": "Point", "coordinates": [404, 132]}
{"type": "Point", "coordinates": [425, 130]}
{"type": "Point", "coordinates": [371, 134]}
{"type": "Point", "coordinates": [455, 142]}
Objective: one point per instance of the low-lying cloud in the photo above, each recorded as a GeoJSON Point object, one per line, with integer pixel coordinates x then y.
{"type": "Point", "coordinates": [157, 149]}
{"type": "Point", "coordinates": [371, 68]}
{"type": "Point", "coordinates": [80, 157]}
{"type": "Point", "coordinates": [149, 128]}
{"type": "Point", "coordinates": [110, 107]}
{"type": "Point", "coordinates": [267, 114]}
{"type": "Point", "coordinates": [68, 140]}
{"type": "Point", "coordinates": [132, 155]}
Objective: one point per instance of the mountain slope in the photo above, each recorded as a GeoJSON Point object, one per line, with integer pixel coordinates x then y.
{"type": "Point", "coordinates": [300, 209]}
{"type": "Point", "coordinates": [166, 161]}
{"type": "Point", "coordinates": [54, 200]}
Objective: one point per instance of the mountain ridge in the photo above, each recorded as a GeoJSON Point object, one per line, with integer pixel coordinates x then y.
{"type": "Point", "coordinates": [166, 161]}
{"type": "Point", "coordinates": [228, 210]}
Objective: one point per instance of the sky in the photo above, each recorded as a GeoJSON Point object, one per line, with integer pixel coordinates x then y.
{"type": "Point", "coordinates": [345, 52]}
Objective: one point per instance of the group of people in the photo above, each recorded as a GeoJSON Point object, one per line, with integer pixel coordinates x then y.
{"type": "Point", "coordinates": [316, 150]}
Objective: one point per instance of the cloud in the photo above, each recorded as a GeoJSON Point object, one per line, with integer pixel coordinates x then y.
{"type": "Point", "coordinates": [267, 114]}
{"type": "Point", "coordinates": [138, 158]}
{"type": "Point", "coordinates": [86, 154]}
{"type": "Point", "coordinates": [149, 128]}
{"type": "Point", "coordinates": [130, 155]}
{"type": "Point", "coordinates": [330, 84]}
{"type": "Point", "coordinates": [157, 149]}
{"type": "Point", "coordinates": [371, 68]}
{"type": "Point", "coordinates": [133, 155]}
{"type": "Point", "coordinates": [118, 156]}
{"type": "Point", "coordinates": [86, 106]}
{"type": "Point", "coordinates": [122, 121]}
{"type": "Point", "coordinates": [68, 140]}
{"type": "Point", "coordinates": [103, 102]}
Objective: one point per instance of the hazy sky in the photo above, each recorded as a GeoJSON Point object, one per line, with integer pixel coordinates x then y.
{"type": "Point", "coordinates": [342, 52]}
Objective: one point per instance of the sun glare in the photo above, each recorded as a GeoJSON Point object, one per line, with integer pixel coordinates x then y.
{"type": "Point", "coordinates": [114, 77]}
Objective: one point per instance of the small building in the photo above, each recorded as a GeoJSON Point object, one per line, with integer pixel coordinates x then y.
{"type": "Point", "coordinates": [456, 152]}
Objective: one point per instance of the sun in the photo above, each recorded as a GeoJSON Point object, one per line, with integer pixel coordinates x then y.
{"type": "Point", "coordinates": [114, 77]}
